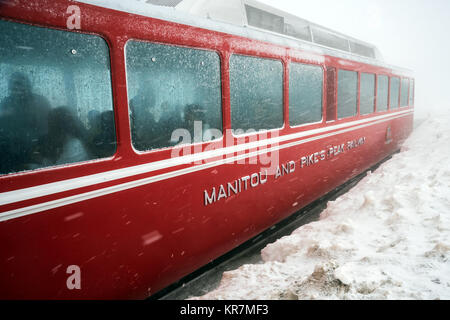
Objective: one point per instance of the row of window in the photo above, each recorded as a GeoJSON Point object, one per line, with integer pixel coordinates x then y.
{"type": "Point", "coordinates": [400, 96]}
{"type": "Point", "coordinates": [56, 105]}
{"type": "Point", "coordinates": [394, 97]}
{"type": "Point", "coordinates": [302, 29]}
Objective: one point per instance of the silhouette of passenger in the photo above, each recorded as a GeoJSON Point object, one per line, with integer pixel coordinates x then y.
{"type": "Point", "coordinates": [104, 143]}
{"type": "Point", "coordinates": [143, 124]}
{"type": "Point", "coordinates": [23, 117]}
{"type": "Point", "coordinates": [94, 122]}
{"type": "Point", "coordinates": [195, 122]}
{"type": "Point", "coordinates": [65, 140]}
{"type": "Point", "coordinates": [170, 120]}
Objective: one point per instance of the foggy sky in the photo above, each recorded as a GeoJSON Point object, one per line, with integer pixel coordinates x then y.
{"type": "Point", "coordinates": [413, 34]}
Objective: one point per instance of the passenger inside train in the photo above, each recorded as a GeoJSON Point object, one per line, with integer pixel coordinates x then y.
{"type": "Point", "coordinates": [23, 122]}
{"type": "Point", "coordinates": [33, 135]}
{"type": "Point", "coordinates": [104, 141]}
{"type": "Point", "coordinates": [66, 139]}
{"type": "Point", "coordinates": [75, 74]}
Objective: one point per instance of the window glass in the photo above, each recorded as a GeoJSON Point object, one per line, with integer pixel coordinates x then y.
{"type": "Point", "coordinates": [404, 93]}
{"type": "Point", "coordinates": [347, 93]}
{"type": "Point", "coordinates": [55, 98]}
{"type": "Point", "coordinates": [172, 88]}
{"type": "Point", "coordinates": [325, 38]}
{"type": "Point", "coordinates": [367, 99]}
{"type": "Point", "coordinates": [395, 91]}
{"type": "Point", "coordinates": [362, 49]}
{"type": "Point", "coordinates": [331, 96]}
{"type": "Point", "coordinates": [411, 93]}
{"type": "Point", "coordinates": [256, 93]}
{"type": "Point", "coordinates": [297, 29]}
{"type": "Point", "coordinates": [382, 93]}
{"type": "Point", "coordinates": [264, 20]}
{"type": "Point", "coordinates": [305, 94]}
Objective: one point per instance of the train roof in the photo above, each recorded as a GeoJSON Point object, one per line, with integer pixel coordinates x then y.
{"type": "Point", "coordinates": [253, 20]}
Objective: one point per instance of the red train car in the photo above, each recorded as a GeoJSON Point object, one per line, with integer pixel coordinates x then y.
{"type": "Point", "coordinates": [136, 149]}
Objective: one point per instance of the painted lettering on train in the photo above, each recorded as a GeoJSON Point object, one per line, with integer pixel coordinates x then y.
{"type": "Point", "coordinates": [230, 189]}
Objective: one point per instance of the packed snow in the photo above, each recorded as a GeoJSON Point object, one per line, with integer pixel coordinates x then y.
{"type": "Point", "coordinates": [388, 238]}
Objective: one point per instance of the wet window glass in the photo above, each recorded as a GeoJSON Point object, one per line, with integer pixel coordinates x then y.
{"type": "Point", "coordinates": [367, 99]}
{"type": "Point", "coordinates": [264, 20]}
{"type": "Point", "coordinates": [172, 90]}
{"type": "Point", "coordinates": [305, 94]}
{"type": "Point", "coordinates": [328, 39]}
{"type": "Point", "coordinates": [256, 93]}
{"type": "Point", "coordinates": [347, 93]}
{"type": "Point", "coordinates": [394, 94]}
{"type": "Point", "coordinates": [411, 93]}
{"type": "Point", "coordinates": [298, 29]}
{"type": "Point", "coordinates": [362, 49]}
{"type": "Point", "coordinates": [404, 93]}
{"type": "Point", "coordinates": [331, 96]}
{"type": "Point", "coordinates": [55, 98]}
{"type": "Point", "coordinates": [382, 93]}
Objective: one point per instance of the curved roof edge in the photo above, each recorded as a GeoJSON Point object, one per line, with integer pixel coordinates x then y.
{"type": "Point", "coordinates": [182, 16]}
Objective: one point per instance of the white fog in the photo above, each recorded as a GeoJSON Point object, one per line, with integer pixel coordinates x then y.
{"type": "Point", "coordinates": [409, 33]}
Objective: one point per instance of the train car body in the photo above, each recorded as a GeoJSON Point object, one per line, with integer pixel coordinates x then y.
{"type": "Point", "coordinates": [129, 224]}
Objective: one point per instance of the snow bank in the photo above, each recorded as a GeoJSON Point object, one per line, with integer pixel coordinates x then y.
{"type": "Point", "coordinates": [388, 238]}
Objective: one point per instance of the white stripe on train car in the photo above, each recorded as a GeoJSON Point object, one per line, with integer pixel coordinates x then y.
{"type": "Point", "coordinates": [137, 183]}
{"type": "Point", "coordinates": [81, 182]}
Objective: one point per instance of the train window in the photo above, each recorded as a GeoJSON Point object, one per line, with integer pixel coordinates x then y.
{"type": "Point", "coordinates": [362, 49]}
{"type": "Point", "coordinates": [404, 93]}
{"type": "Point", "coordinates": [394, 93]}
{"type": "Point", "coordinates": [264, 20]}
{"type": "Point", "coordinates": [367, 91]}
{"type": "Point", "coordinates": [256, 93]}
{"type": "Point", "coordinates": [297, 29]}
{"type": "Point", "coordinates": [331, 96]}
{"type": "Point", "coordinates": [347, 93]}
{"type": "Point", "coordinates": [382, 93]}
{"type": "Point", "coordinates": [55, 98]}
{"type": "Point", "coordinates": [305, 94]}
{"type": "Point", "coordinates": [411, 93]}
{"type": "Point", "coordinates": [172, 88]}
{"type": "Point", "coordinates": [328, 39]}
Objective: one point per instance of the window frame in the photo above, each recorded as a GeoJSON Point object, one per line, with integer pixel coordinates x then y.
{"type": "Point", "coordinates": [407, 80]}
{"type": "Point", "coordinates": [411, 93]}
{"type": "Point", "coordinates": [264, 57]}
{"type": "Point", "coordinates": [374, 109]}
{"type": "Point", "coordinates": [331, 94]}
{"type": "Point", "coordinates": [322, 95]}
{"type": "Point", "coordinates": [377, 96]}
{"type": "Point", "coordinates": [356, 95]}
{"type": "Point", "coordinates": [89, 164]}
{"type": "Point", "coordinates": [222, 109]}
{"type": "Point", "coordinates": [398, 93]}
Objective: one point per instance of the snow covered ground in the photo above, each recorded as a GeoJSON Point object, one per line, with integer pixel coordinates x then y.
{"type": "Point", "coordinates": [388, 238]}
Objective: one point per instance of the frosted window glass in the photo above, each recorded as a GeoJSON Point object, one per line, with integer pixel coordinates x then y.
{"type": "Point", "coordinates": [367, 99]}
{"type": "Point", "coordinates": [256, 93]}
{"type": "Point", "coordinates": [347, 93]}
{"type": "Point", "coordinates": [171, 88]}
{"type": "Point", "coordinates": [55, 92]}
{"type": "Point", "coordinates": [305, 94]}
{"type": "Point", "coordinates": [382, 93]}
